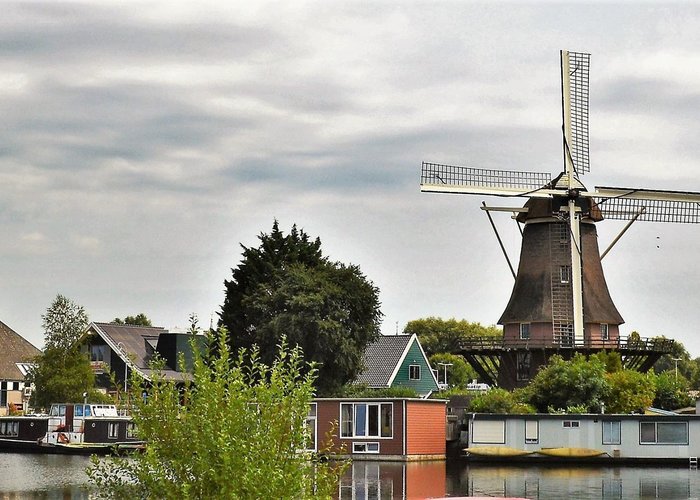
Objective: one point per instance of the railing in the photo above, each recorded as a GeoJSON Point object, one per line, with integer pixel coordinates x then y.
{"type": "Point", "coordinates": [636, 344]}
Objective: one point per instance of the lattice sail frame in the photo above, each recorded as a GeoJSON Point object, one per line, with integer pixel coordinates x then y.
{"type": "Point", "coordinates": [579, 70]}
{"type": "Point", "coordinates": [520, 182]}
{"type": "Point", "coordinates": [647, 205]}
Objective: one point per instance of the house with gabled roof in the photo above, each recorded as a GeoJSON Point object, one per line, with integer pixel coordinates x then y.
{"type": "Point", "coordinates": [16, 357]}
{"type": "Point", "coordinates": [121, 349]}
{"type": "Point", "coordinates": [397, 361]}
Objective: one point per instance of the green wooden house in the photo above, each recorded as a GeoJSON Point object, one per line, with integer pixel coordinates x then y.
{"type": "Point", "coordinates": [397, 361]}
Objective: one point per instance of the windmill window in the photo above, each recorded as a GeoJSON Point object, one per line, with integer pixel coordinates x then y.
{"type": "Point", "coordinates": [565, 274]}
{"type": "Point", "coordinates": [524, 331]}
{"type": "Point", "coordinates": [414, 372]}
{"type": "Point", "coordinates": [604, 332]}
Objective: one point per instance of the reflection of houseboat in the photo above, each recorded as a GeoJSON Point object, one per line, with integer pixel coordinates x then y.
{"type": "Point", "coordinates": [589, 438]}
{"type": "Point", "coordinates": [70, 428]}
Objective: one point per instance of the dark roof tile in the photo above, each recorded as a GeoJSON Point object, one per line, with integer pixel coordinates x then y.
{"type": "Point", "coordinates": [380, 359]}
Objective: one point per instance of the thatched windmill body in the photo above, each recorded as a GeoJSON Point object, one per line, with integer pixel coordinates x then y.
{"type": "Point", "coordinates": [560, 301]}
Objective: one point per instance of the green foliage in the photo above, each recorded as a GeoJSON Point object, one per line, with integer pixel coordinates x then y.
{"type": "Point", "coordinates": [139, 320]}
{"type": "Point", "coordinates": [561, 384]}
{"type": "Point", "coordinates": [61, 377]}
{"type": "Point", "coordinates": [671, 391]}
{"type": "Point", "coordinates": [237, 435]}
{"type": "Point", "coordinates": [286, 287]}
{"type": "Point", "coordinates": [611, 360]}
{"type": "Point", "coordinates": [629, 391]}
{"type": "Point", "coordinates": [438, 335]}
{"type": "Point", "coordinates": [61, 373]}
{"type": "Point", "coordinates": [459, 374]}
{"type": "Point", "coordinates": [64, 323]}
{"type": "Point", "coordinates": [499, 400]}
{"type": "Point", "coordinates": [362, 391]}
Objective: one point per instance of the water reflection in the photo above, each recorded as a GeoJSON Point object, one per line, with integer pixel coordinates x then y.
{"type": "Point", "coordinates": [383, 480]}
{"type": "Point", "coordinates": [26, 475]}
{"type": "Point", "coordinates": [57, 477]}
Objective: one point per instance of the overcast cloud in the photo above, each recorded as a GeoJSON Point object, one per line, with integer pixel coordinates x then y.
{"type": "Point", "coordinates": [141, 144]}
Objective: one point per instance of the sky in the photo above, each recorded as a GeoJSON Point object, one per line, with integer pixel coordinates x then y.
{"type": "Point", "coordinates": [141, 144]}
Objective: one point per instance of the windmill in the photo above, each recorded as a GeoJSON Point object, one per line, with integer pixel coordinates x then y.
{"type": "Point", "coordinates": [560, 301]}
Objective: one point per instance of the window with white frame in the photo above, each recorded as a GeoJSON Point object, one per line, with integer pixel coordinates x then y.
{"type": "Point", "coordinates": [414, 372]}
{"type": "Point", "coordinates": [571, 424]}
{"type": "Point", "coordinates": [663, 432]}
{"type": "Point", "coordinates": [113, 430]}
{"type": "Point", "coordinates": [524, 331]}
{"type": "Point", "coordinates": [565, 274]}
{"type": "Point", "coordinates": [365, 447]}
{"type": "Point", "coordinates": [366, 420]}
{"type": "Point", "coordinates": [604, 332]}
{"type": "Point", "coordinates": [311, 429]}
{"type": "Point", "coordinates": [611, 432]}
{"type": "Point", "coordinates": [532, 431]}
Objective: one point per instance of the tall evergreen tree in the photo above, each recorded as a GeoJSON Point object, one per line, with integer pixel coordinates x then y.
{"type": "Point", "coordinates": [286, 287]}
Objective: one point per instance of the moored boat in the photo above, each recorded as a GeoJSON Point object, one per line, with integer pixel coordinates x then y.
{"type": "Point", "coordinates": [72, 428]}
{"type": "Point", "coordinates": [496, 451]}
{"type": "Point", "coordinates": [571, 452]}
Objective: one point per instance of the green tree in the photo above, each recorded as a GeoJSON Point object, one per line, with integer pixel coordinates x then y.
{"type": "Point", "coordinates": [459, 373]}
{"type": "Point", "coordinates": [440, 335]}
{"type": "Point", "coordinates": [629, 391]}
{"type": "Point", "coordinates": [611, 360]}
{"type": "Point", "coordinates": [61, 373]}
{"type": "Point", "coordinates": [62, 377]}
{"type": "Point", "coordinates": [64, 323]}
{"type": "Point", "coordinates": [671, 391]}
{"type": "Point", "coordinates": [139, 320]}
{"type": "Point", "coordinates": [287, 287]}
{"type": "Point", "coordinates": [499, 400]}
{"type": "Point", "coordinates": [561, 384]}
{"type": "Point", "coordinates": [238, 435]}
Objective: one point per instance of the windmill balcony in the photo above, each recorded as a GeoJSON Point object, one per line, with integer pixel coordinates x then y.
{"type": "Point", "coordinates": [625, 345]}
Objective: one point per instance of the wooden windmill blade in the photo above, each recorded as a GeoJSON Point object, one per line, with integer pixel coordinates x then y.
{"type": "Point", "coordinates": [651, 205]}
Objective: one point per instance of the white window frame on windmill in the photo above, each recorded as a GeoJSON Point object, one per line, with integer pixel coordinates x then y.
{"type": "Point", "coordinates": [604, 331]}
{"type": "Point", "coordinates": [565, 274]}
{"type": "Point", "coordinates": [524, 331]}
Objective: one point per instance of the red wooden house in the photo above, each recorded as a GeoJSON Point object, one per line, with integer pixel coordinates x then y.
{"type": "Point", "coordinates": [380, 428]}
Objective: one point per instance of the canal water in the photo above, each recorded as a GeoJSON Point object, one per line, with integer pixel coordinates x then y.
{"type": "Point", "coordinates": [61, 477]}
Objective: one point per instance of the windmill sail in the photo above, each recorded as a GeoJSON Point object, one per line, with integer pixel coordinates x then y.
{"type": "Point", "coordinates": [658, 205]}
{"type": "Point", "coordinates": [575, 83]}
{"type": "Point", "coordinates": [439, 178]}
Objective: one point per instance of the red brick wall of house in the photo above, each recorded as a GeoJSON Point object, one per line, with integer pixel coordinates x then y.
{"type": "Point", "coordinates": [425, 431]}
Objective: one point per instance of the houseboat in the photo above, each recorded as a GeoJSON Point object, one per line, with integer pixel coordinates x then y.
{"type": "Point", "coordinates": [73, 428]}
{"type": "Point", "coordinates": [608, 438]}
{"type": "Point", "coordinates": [395, 429]}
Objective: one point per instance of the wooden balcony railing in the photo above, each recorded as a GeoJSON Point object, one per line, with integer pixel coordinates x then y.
{"type": "Point", "coordinates": [623, 344]}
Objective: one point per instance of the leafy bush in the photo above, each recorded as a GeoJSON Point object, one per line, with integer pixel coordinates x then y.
{"type": "Point", "coordinates": [562, 384]}
{"type": "Point", "coordinates": [234, 431]}
{"type": "Point", "coordinates": [629, 391]}
{"type": "Point", "coordinates": [498, 400]}
{"type": "Point", "coordinates": [362, 391]}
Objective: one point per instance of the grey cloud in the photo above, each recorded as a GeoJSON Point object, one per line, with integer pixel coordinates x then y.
{"type": "Point", "coordinates": [84, 32]}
